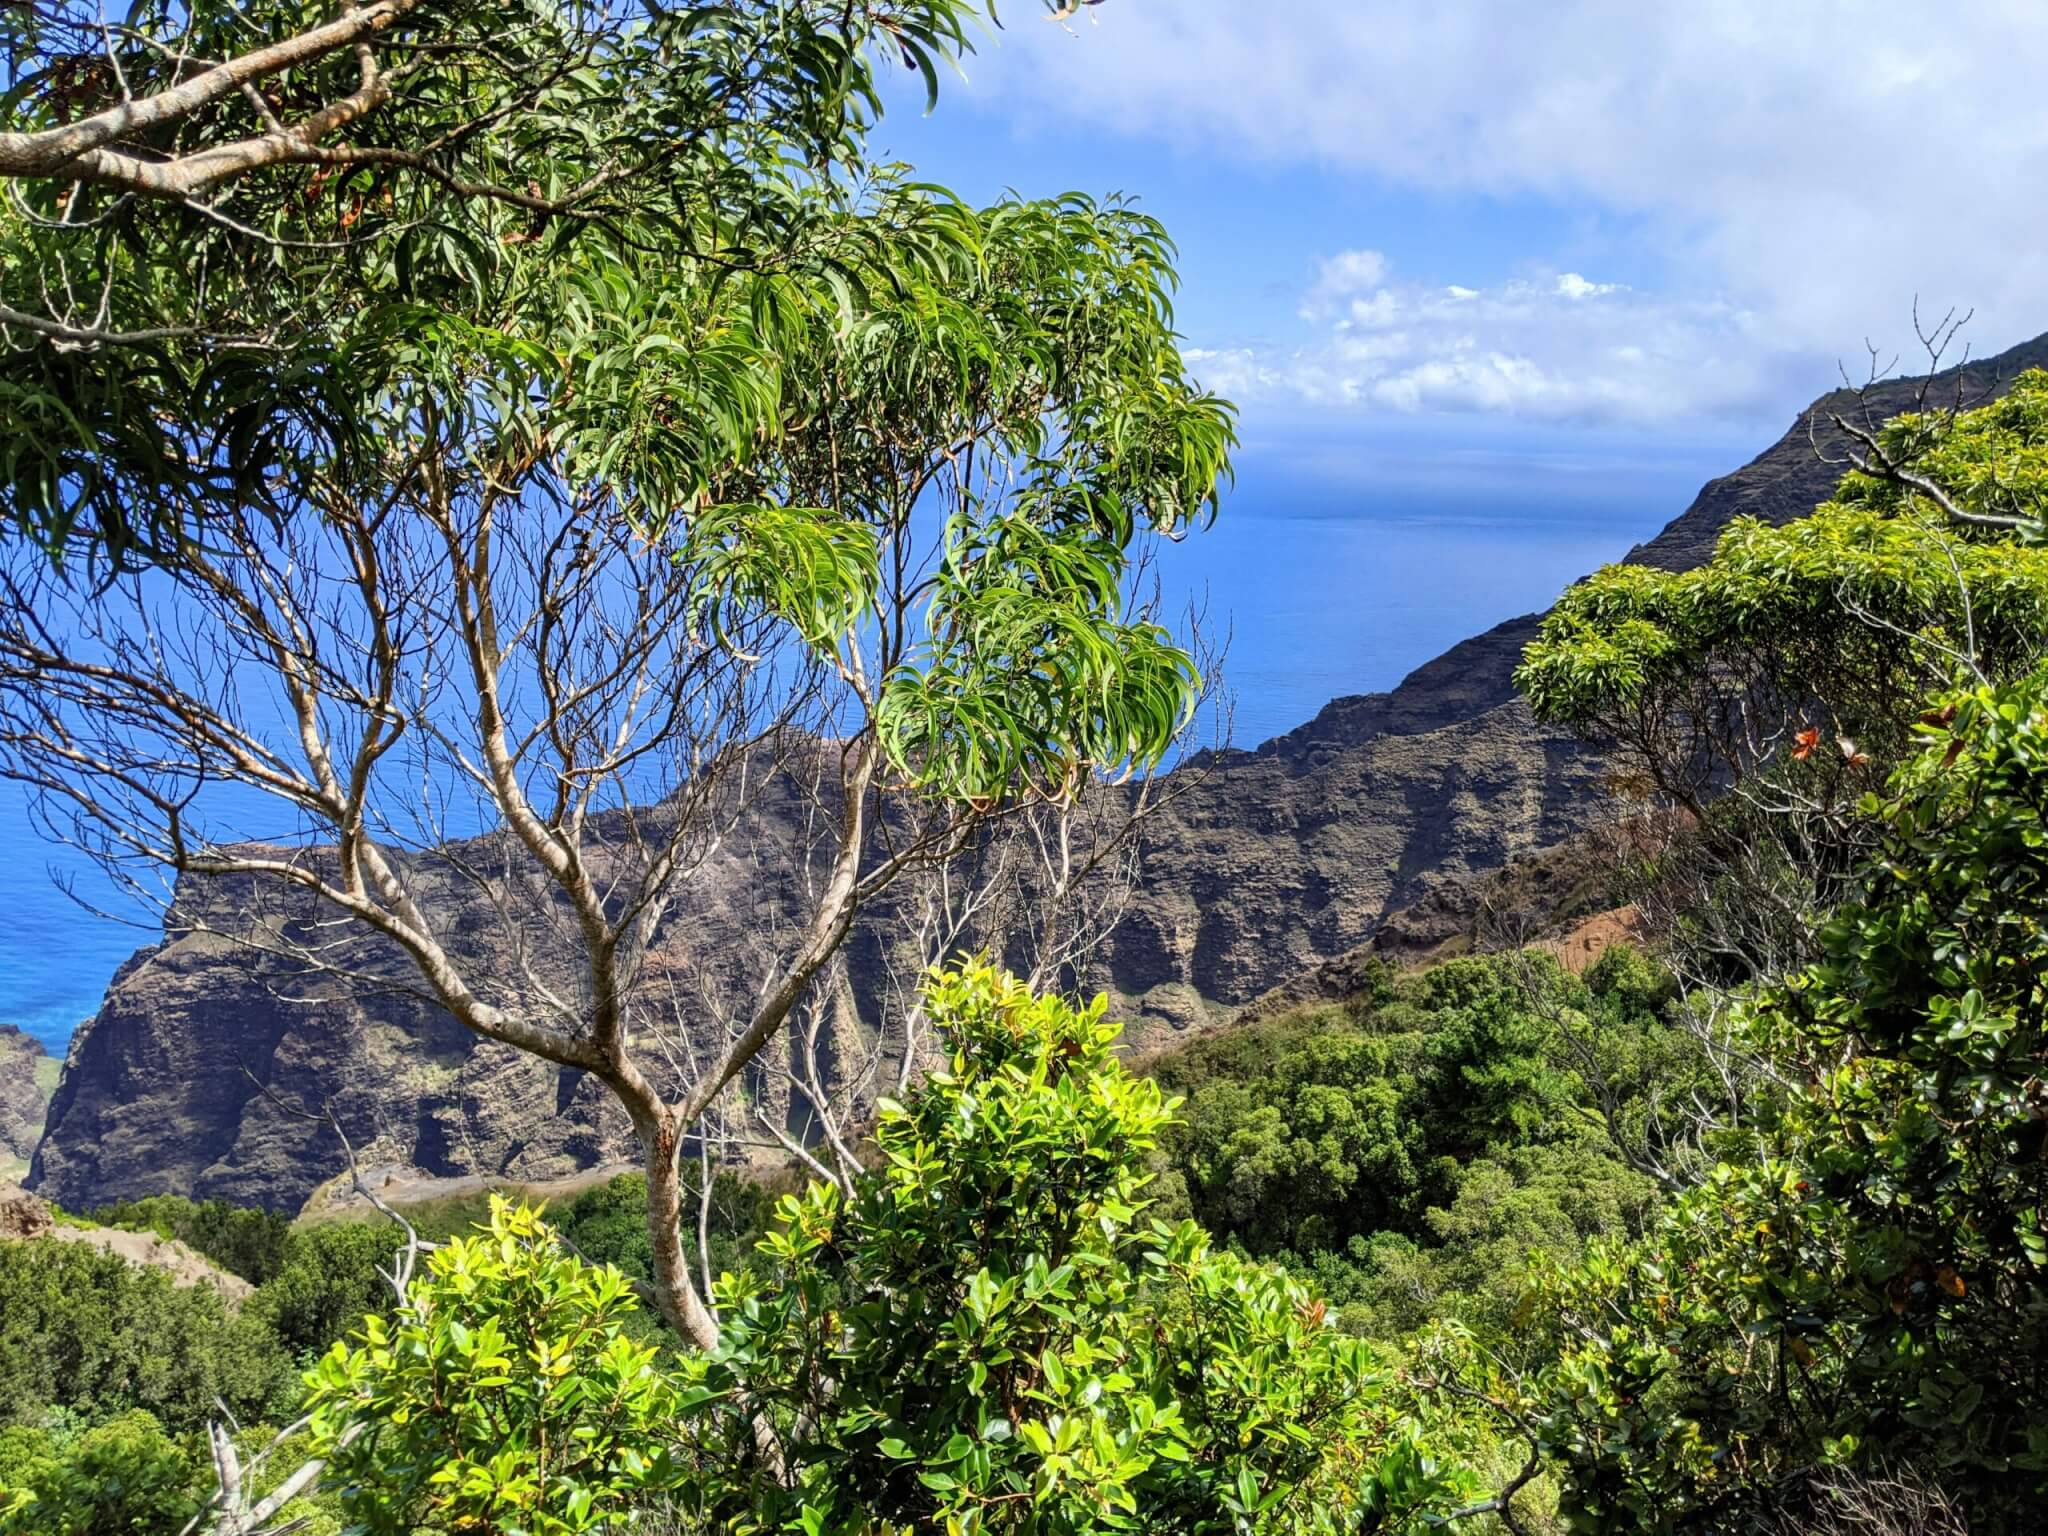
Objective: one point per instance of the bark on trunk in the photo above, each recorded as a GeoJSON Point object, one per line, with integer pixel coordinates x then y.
{"type": "Point", "coordinates": [674, 1290]}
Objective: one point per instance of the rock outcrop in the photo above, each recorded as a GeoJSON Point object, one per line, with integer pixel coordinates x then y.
{"type": "Point", "coordinates": [24, 1218]}
{"type": "Point", "coordinates": [1274, 869]}
{"type": "Point", "coordinates": [25, 1074]}
{"type": "Point", "coordinates": [22, 1215]}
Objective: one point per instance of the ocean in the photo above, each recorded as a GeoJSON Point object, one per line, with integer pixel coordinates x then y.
{"type": "Point", "coordinates": [1330, 582]}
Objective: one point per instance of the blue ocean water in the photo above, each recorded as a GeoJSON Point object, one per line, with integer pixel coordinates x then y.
{"type": "Point", "coordinates": [1337, 566]}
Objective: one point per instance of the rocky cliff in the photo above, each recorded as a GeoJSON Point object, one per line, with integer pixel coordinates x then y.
{"type": "Point", "coordinates": [25, 1077]}
{"type": "Point", "coordinates": [1272, 866]}
{"type": "Point", "coordinates": [1393, 806]}
{"type": "Point", "coordinates": [213, 1067]}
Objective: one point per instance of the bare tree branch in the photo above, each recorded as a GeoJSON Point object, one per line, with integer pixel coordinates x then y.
{"type": "Point", "coordinates": [79, 151]}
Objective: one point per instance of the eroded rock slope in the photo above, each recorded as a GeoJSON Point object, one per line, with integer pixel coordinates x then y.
{"type": "Point", "coordinates": [1277, 865]}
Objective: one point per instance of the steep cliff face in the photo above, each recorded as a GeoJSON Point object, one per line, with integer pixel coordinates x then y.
{"type": "Point", "coordinates": [24, 1094]}
{"type": "Point", "coordinates": [201, 1069]}
{"type": "Point", "coordinates": [215, 1069]}
{"type": "Point", "coordinates": [1275, 865]}
{"type": "Point", "coordinates": [1285, 857]}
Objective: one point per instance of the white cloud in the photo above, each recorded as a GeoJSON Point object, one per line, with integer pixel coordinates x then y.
{"type": "Point", "coordinates": [1560, 347]}
{"type": "Point", "coordinates": [1346, 275]}
{"type": "Point", "coordinates": [1573, 286]}
{"type": "Point", "coordinates": [1815, 163]}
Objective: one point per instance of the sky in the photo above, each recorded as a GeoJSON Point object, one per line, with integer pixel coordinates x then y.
{"type": "Point", "coordinates": [1573, 216]}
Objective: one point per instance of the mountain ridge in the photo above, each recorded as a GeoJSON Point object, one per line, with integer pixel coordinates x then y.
{"type": "Point", "coordinates": [1274, 864]}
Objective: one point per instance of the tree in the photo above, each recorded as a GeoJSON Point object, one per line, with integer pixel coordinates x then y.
{"type": "Point", "coordinates": [224, 219]}
{"type": "Point", "coordinates": [1839, 622]}
{"type": "Point", "coordinates": [1860, 1283]}
{"type": "Point", "coordinates": [332, 1277]}
{"type": "Point", "coordinates": [982, 1335]}
{"type": "Point", "coordinates": [1758, 697]}
{"type": "Point", "coordinates": [1803, 1338]}
{"type": "Point", "coordinates": [603, 595]}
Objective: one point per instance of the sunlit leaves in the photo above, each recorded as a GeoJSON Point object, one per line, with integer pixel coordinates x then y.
{"type": "Point", "coordinates": [1824, 600]}
{"type": "Point", "coordinates": [1011, 1347]}
{"type": "Point", "coordinates": [1037, 367]}
{"type": "Point", "coordinates": [1993, 459]}
{"type": "Point", "coordinates": [983, 1334]}
{"type": "Point", "coordinates": [508, 1394]}
{"type": "Point", "coordinates": [123, 1474]}
{"type": "Point", "coordinates": [781, 374]}
{"type": "Point", "coordinates": [706, 130]}
{"type": "Point", "coordinates": [814, 571]}
{"type": "Point", "coordinates": [1031, 676]}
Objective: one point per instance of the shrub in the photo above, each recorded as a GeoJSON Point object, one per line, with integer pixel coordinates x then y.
{"type": "Point", "coordinates": [981, 1336]}
{"type": "Point", "coordinates": [984, 1337]}
{"type": "Point", "coordinates": [1410, 1150]}
{"type": "Point", "coordinates": [123, 1476]}
{"type": "Point", "coordinates": [1863, 1283]}
{"type": "Point", "coordinates": [507, 1396]}
{"type": "Point", "coordinates": [330, 1280]}
{"type": "Point", "coordinates": [90, 1332]}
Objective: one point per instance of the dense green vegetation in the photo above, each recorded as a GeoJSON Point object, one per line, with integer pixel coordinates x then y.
{"type": "Point", "coordinates": [1488, 1245]}
{"type": "Point", "coordinates": [1411, 1148]}
{"type": "Point", "coordinates": [110, 1373]}
{"type": "Point", "coordinates": [1375, 1167]}
{"type": "Point", "coordinates": [983, 1334]}
{"type": "Point", "coordinates": [123, 1473]}
{"type": "Point", "coordinates": [1862, 1280]}
{"type": "Point", "coordinates": [1837, 1281]}
{"type": "Point", "coordinates": [1858, 1280]}
{"type": "Point", "coordinates": [91, 1334]}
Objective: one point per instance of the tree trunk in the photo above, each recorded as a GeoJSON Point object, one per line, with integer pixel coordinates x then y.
{"type": "Point", "coordinates": [675, 1292]}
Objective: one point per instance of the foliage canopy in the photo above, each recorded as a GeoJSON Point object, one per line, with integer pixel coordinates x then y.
{"type": "Point", "coordinates": [981, 1336]}
{"type": "Point", "coordinates": [238, 231]}
{"type": "Point", "coordinates": [1843, 620]}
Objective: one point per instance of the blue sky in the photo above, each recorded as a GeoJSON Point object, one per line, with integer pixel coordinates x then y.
{"type": "Point", "coordinates": [1254, 230]}
{"type": "Point", "coordinates": [1577, 217]}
